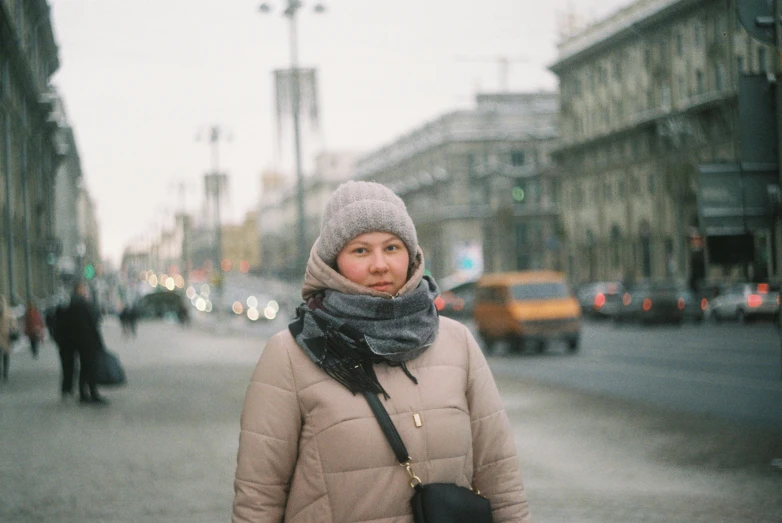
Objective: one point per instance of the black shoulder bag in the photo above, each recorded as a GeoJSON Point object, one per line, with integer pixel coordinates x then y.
{"type": "Point", "coordinates": [434, 502]}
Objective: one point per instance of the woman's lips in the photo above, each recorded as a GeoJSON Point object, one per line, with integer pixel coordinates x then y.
{"type": "Point", "coordinates": [381, 286]}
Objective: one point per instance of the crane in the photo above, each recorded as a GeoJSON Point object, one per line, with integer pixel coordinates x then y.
{"type": "Point", "coordinates": [503, 65]}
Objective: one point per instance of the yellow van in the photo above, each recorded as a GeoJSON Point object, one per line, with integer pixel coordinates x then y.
{"type": "Point", "coordinates": [533, 307]}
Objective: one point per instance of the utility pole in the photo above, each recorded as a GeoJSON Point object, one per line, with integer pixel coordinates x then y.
{"type": "Point", "coordinates": [215, 182]}
{"type": "Point", "coordinates": [302, 249]}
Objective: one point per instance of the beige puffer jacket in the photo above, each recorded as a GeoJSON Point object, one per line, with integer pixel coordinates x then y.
{"type": "Point", "coordinates": [310, 451]}
{"type": "Point", "coordinates": [7, 324]}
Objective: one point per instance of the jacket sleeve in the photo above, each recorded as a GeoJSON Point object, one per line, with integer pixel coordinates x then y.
{"type": "Point", "coordinates": [495, 463]}
{"type": "Point", "coordinates": [268, 441]}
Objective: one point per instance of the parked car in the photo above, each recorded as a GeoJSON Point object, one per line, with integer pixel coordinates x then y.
{"type": "Point", "coordinates": [695, 305]}
{"type": "Point", "coordinates": [161, 304]}
{"type": "Point", "coordinates": [534, 307]}
{"type": "Point", "coordinates": [456, 301]}
{"type": "Point", "coordinates": [600, 299]}
{"type": "Point", "coordinates": [745, 301]}
{"type": "Point", "coordinates": [652, 302]}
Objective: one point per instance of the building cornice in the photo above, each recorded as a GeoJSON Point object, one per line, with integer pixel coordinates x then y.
{"type": "Point", "coordinates": [488, 122]}
{"type": "Point", "coordinates": [629, 22]}
{"type": "Point", "coordinates": [694, 104]}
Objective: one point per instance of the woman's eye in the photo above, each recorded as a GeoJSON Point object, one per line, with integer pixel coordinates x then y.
{"type": "Point", "coordinates": [359, 250]}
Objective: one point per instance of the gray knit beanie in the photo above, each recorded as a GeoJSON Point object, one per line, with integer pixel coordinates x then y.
{"type": "Point", "coordinates": [358, 207]}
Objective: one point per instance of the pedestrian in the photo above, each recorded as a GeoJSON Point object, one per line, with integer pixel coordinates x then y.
{"type": "Point", "coordinates": [128, 318]}
{"type": "Point", "coordinates": [8, 332]}
{"type": "Point", "coordinates": [34, 327]}
{"type": "Point", "coordinates": [310, 448]}
{"type": "Point", "coordinates": [81, 335]}
{"type": "Point", "coordinates": [56, 323]}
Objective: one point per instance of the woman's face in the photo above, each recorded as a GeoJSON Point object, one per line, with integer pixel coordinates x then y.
{"type": "Point", "coordinates": [378, 260]}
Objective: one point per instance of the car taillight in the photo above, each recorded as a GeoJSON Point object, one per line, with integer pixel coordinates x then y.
{"type": "Point", "coordinates": [627, 299]}
{"type": "Point", "coordinates": [680, 303]}
{"type": "Point", "coordinates": [704, 304]}
{"type": "Point", "coordinates": [647, 304]}
{"type": "Point", "coordinates": [600, 300]}
{"type": "Point", "coordinates": [439, 303]}
{"type": "Point", "coordinates": [754, 300]}
{"type": "Point", "coordinates": [763, 288]}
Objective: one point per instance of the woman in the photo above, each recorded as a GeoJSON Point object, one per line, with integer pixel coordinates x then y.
{"type": "Point", "coordinates": [7, 326]}
{"type": "Point", "coordinates": [310, 448]}
{"type": "Point", "coordinates": [33, 326]}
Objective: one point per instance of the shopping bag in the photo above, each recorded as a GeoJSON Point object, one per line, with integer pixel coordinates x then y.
{"type": "Point", "coordinates": [109, 370]}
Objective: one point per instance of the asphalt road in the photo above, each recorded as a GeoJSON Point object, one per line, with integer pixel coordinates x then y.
{"type": "Point", "coordinates": [164, 450]}
{"type": "Point", "coordinates": [729, 370]}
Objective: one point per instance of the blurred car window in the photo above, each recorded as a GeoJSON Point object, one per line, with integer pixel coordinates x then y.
{"type": "Point", "coordinates": [539, 291]}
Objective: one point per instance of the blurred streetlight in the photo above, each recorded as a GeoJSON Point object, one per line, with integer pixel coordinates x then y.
{"type": "Point", "coordinates": [290, 11]}
{"type": "Point", "coordinates": [215, 185]}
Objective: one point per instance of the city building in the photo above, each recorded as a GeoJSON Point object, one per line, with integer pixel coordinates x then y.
{"type": "Point", "coordinates": [75, 227]}
{"type": "Point", "coordinates": [650, 100]}
{"type": "Point", "coordinates": [241, 249]}
{"type": "Point", "coordinates": [479, 185]}
{"type": "Point", "coordinates": [278, 217]}
{"type": "Point", "coordinates": [31, 145]}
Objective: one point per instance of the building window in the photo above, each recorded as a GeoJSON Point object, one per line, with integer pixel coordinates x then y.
{"type": "Point", "coordinates": [699, 88]}
{"type": "Point", "coordinates": [682, 88]}
{"type": "Point", "coordinates": [679, 44]}
{"type": "Point", "coordinates": [607, 191]}
{"type": "Point", "coordinates": [697, 34]}
{"type": "Point", "coordinates": [762, 60]}
{"type": "Point", "coordinates": [665, 95]}
{"type": "Point", "coordinates": [517, 158]}
{"type": "Point", "coordinates": [647, 57]}
{"type": "Point", "coordinates": [740, 64]}
{"type": "Point", "coordinates": [719, 27]}
{"type": "Point", "coordinates": [719, 76]}
{"type": "Point", "coordinates": [651, 184]}
{"type": "Point", "coordinates": [618, 70]}
{"type": "Point", "coordinates": [663, 49]}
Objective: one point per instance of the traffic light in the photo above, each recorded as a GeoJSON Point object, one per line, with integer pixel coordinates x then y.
{"type": "Point", "coordinates": [89, 271]}
{"type": "Point", "coordinates": [517, 193]}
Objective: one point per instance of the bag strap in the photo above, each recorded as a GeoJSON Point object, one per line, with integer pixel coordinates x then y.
{"type": "Point", "coordinates": [392, 435]}
{"type": "Point", "coordinates": [388, 428]}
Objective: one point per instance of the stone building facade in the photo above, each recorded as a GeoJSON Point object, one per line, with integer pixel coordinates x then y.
{"type": "Point", "coordinates": [647, 96]}
{"type": "Point", "coordinates": [28, 151]}
{"type": "Point", "coordinates": [479, 185]}
{"type": "Point", "coordinates": [75, 223]}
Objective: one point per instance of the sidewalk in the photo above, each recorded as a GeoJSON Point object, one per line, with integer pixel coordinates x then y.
{"type": "Point", "coordinates": [164, 450]}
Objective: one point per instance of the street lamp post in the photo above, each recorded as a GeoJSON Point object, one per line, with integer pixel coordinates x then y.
{"type": "Point", "coordinates": [214, 187]}
{"type": "Point", "coordinates": [290, 12]}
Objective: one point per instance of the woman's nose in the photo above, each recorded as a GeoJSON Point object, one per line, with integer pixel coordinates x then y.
{"type": "Point", "coordinates": [379, 263]}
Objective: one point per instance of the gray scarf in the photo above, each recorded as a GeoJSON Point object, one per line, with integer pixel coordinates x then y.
{"type": "Point", "coordinates": [345, 334]}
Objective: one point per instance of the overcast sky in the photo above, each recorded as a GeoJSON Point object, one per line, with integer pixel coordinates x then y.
{"type": "Point", "coordinates": [141, 80]}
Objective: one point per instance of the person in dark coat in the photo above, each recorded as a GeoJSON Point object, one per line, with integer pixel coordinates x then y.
{"type": "Point", "coordinates": [83, 337]}
{"type": "Point", "coordinates": [56, 319]}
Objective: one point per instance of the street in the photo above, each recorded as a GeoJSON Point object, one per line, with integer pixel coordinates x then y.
{"type": "Point", "coordinates": [164, 450]}
{"type": "Point", "coordinates": [728, 370]}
